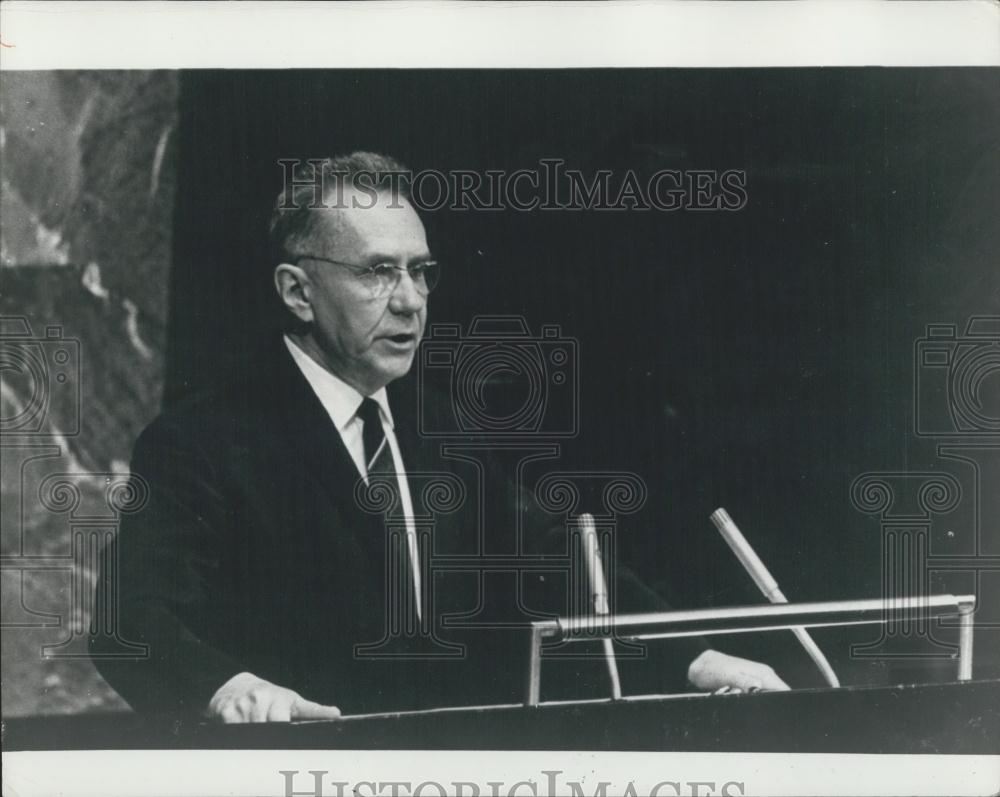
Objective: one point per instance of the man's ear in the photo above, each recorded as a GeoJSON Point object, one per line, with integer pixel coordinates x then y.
{"type": "Point", "coordinates": [292, 284]}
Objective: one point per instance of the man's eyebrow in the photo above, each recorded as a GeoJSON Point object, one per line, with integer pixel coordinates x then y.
{"type": "Point", "coordinates": [375, 258]}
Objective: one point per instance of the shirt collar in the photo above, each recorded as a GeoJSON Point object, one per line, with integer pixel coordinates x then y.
{"type": "Point", "coordinates": [339, 399]}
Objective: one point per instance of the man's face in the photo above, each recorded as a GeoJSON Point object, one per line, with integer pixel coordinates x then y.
{"type": "Point", "coordinates": [368, 342]}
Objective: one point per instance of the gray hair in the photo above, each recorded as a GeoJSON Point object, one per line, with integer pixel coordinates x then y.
{"type": "Point", "coordinates": [294, 219]}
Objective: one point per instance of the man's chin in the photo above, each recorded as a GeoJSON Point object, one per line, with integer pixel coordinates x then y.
{"type": "Point", "coordinates": [396, 366]}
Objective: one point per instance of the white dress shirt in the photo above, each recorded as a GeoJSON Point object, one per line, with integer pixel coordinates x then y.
{"type": "Point", "coordinates": [341, 402]}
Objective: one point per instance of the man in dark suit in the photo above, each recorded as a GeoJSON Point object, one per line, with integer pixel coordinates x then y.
{"type": "Point", "coordinates": [263, 586]}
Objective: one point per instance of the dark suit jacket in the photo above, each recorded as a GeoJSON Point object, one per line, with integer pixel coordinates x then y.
{"type": "Point", "coordinates": [252, 554]}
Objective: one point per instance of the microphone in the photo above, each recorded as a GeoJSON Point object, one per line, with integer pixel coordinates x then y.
{"type": "Point", "coordinates": [599, 593]}
{"type": "Point", "coordinates": [766, 583]}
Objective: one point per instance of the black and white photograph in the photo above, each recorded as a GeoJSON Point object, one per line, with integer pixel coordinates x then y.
{"type": "Point", "coordinates": [379, 429]}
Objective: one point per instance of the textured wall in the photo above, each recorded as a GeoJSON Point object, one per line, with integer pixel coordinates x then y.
{"type": "Point", "coordinates": [89, 166]}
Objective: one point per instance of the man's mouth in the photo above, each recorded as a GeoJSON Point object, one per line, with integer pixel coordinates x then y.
{"type": "Point", "coordinates": [402, 339]}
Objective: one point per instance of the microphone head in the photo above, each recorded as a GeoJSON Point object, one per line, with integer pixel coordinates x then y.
{"type": "Point", "coordinates": [720, 517]}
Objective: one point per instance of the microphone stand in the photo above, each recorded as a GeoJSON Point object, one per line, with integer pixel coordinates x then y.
{"type": "Point", "coordinates": [766, 583]}
{"type": "Point", "coordinates": [599, 593]}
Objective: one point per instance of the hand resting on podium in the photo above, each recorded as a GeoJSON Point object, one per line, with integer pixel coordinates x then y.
{"type": "Point", "coordinates": [713, 670]}
{"type": "Point", "coordinates": [247, 698]}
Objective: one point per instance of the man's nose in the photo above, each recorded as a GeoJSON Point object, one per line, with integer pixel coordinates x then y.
{"type": "Point", "coordinates": [405, 298]}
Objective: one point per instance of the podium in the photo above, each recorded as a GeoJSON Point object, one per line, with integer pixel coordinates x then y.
{"type": "Point", "coordinates": [954, 718]}
{"type": "Point", "coordinates": [962, 717]}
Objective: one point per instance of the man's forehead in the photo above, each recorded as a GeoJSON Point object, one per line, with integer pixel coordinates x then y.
{"type": "Point", "coordinates": [358, 219]}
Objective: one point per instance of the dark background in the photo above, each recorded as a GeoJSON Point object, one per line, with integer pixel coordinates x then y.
{"type": "Point", "coordinates": [759, 360]}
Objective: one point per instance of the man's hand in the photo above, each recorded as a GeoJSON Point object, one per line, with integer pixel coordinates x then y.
{"type": "Point", "coordinates": [247, 698]}
{"type": "Point", "coordinates": [713, 670]}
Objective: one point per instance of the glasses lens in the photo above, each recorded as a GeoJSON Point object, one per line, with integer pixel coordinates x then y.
{"type": "Point", "coordinates": [426, 275]}
{"type": "Point", "coordinates": [383, 278]}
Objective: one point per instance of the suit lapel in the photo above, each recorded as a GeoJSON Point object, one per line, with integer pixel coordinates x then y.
{"type": "Point", "coordinates": [311, 443]}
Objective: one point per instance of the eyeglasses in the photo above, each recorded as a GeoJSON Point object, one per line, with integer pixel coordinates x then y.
{"type": "Point", "coordinates": [381, 279]}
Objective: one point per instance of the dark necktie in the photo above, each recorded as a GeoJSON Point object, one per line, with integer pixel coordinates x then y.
{"type": "Point", "coordinates": [379, 459]}
{"type": "Point", "coordinates": [378, 455]}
